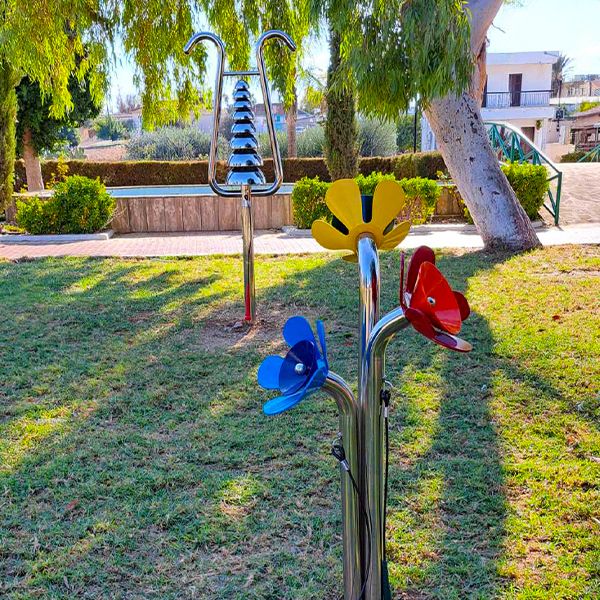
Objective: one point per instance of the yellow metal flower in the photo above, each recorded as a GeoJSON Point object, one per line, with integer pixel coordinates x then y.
{"type": "Point", "coordinates": [344, 201]}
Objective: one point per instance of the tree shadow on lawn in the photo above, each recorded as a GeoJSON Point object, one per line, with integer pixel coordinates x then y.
{"type": "Point", "coordinates": [159, 476]}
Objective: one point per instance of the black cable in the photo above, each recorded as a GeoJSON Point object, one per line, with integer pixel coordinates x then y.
{"type": "Point", "coordinates": [385, 397]}
{"type": "Point", "coordinates": [339, 453]}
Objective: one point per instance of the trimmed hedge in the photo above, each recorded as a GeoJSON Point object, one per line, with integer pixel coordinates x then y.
{"type": "Point", "coordinates": [572, 157]}
{"type": "Point", "coordinates": [127, 173]}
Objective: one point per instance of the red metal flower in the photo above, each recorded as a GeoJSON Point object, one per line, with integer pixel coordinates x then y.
{"type": "Point", "coordinates": [430, 304]}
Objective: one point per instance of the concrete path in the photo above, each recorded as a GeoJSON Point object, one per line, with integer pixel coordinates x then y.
{"type": "Point", "coordinates": [580, 197]}
{"type": "Point", "coordinates": [270, 242]}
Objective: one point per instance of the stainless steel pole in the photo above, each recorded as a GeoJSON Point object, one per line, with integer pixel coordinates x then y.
{"type": "Point", "coordinates": [370, 421]}
{"type": "Point", "coordinates": [338, 389]}
{"type": "Point", "coordinates": [248, 252]}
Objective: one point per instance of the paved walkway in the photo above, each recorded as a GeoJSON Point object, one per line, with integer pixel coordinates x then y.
{"type": "Point", "coordinates": [580, 197]}
{"type": "Point", "coordinates": [270, 242]}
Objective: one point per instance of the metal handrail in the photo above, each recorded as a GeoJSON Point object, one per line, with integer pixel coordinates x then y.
{"type": "Point", "coordinates": [514, 99]}
{"type": "Point", "coordinates": [592, 156]}
{"type": "Point", "coordinates": [511, 149]}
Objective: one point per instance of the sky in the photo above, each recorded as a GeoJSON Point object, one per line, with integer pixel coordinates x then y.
{"type": "Point", "coordinates": [567, 26]}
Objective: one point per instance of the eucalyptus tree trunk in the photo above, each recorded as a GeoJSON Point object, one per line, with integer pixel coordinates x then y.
{"type": "Point", "coordinates": [463, 142]}
{"type": "Point", "coordinates": [33, 167]}
{"type": "Point", "coordinates": [8, 117]}
{"type": "Point", "coordinates": [291, 119]}
{"type": "Point", "coordinates": [341, 132]}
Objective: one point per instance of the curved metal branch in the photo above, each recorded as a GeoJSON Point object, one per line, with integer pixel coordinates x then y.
{"type": "Point", "coordinates": [212, 156]}
{"type": "Point", "coordinates": [260, 63]}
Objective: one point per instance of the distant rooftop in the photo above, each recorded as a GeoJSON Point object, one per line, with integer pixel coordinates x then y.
{"type": "Point", "coordinates": [522, 58]}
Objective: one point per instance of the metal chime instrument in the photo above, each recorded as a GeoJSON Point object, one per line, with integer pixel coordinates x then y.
{"type": "Point", "coordinates": [245, 177]}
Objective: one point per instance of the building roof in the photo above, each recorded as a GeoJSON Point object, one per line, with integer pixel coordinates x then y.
{"type": "Point", "coordinates": [588, 113]}
{"type": "Point", "coordinates": [522, 58]}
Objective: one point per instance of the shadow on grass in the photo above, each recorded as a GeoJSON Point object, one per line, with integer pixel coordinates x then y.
{"type": "Point", "coordinates": [148, 469]}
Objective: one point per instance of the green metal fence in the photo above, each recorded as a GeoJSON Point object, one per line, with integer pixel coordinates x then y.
{"type": "Point", "coordinates": [592, 156]}
{"type": "Point", "coordinates": [510, 145]}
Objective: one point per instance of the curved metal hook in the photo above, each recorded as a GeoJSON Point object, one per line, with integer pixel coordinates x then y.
{"type": "Point", "coordinates": [260, 63]}
{"type": "Point", "coordinates": [212, 156]}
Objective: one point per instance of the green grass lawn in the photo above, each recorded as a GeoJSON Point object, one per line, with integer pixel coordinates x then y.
{"type": "Point", "coordinates": [135, 461]}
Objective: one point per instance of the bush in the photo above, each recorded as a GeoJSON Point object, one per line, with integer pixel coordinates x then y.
{"type": "Point", "coordinates": [308, 198]}
{"type": "Point", "coordinates": [405, 133]}
{"type": "Point", "coordinates": [530, 184]}
{"type": "Point", "coordinates": [368, 183]}
{"type": "Point", "coordinates": [108, 128]}
{"type": "Point", "coordinates": [308, 202]}
{"type": "Point", "coordinates": [264, 144]}
{"type": "Point", "coordinates": [311, 142]}
{"type": "Point", "coordinates": [376, 137]}
{"type": "Point", "coordinates": [170, 143]}
{"type": "Point", "coordinates": [572, 157]}
{"type": "Point", "coordinates": [421, 199]}
{"type": "Point", "coordinates": [78, 205]}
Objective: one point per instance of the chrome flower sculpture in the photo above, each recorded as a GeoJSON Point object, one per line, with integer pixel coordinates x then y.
{"type": "Point", "coordinates": [430, 304]}
{"type": "Point", "coordinates": [301, 372]}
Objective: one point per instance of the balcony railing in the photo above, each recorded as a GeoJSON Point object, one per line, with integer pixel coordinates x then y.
{"type": "Point", "coordinates": [509, 99]}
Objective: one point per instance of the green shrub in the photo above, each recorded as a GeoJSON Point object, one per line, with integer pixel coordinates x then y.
{"type": "Point", "coordinates": [78, 205]}
{"type": "Point", "coordinates": [170, 143]}
{"type": "Point", "coordinates": [530, 184]}
{"type": "Point", "coordinates": [108, 128]}
{"type": "Point", "coordinates": [308, 198]}
{"type": "Point", "coordinates": [368, 183]}
{"type": "Point", "coordinates": [308, 202]}
{"type": "Point", "coordinates": [572, 157]}
{"type": "Point", "coordinates": [311, 142]}
{"type": "Point", "coordinates": [264, 144]}
{"type": "Point", "coordinates": [376, 137]}
{"type": "Point", "coordinates": [421, 199]}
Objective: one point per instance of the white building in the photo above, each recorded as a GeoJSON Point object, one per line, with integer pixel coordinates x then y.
{"type": "Point", "coordinates": [517, 91]}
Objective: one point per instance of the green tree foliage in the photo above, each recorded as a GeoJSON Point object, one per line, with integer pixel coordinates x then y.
{"type": "Point", "coordinates": [394, 51]}
{"type": "Point", "coordinates": [35, 112]}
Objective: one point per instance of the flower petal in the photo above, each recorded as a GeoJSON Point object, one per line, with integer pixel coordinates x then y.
{"type": "Point", "coordinates": [329, 237]}
{"type": "Point", "coordinates": [395, 236]}
{"type": "Point", "coordinates": [321, 332]}
{"type": "Point", "coordinates": [283, 403]}
{"type": "Point", "coordinates": [420, 255]}
{"type": "Point", "coordinates": [268, 372]}
{"type": "Point", "coordinates": [388, 201]}
{"type": "Point", "coordinates": [303, 353]}
{"type": "Point", "coordinates": [434, 297]}
{"type": "Point", "coordinates": [280, 404]}
{"type": "Point", "coordinates": [297, 329]}
{"type": "Point", "coordinates": [344, 201]}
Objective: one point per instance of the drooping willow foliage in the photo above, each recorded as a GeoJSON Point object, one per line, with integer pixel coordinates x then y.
{"type": "Point", "coordinates": [396, 50]}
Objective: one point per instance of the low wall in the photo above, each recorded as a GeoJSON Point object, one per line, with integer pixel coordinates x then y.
{"type": "Point", "coordinates": [198, 213]}
{"type": "Point", "coordinates": [170, 214]}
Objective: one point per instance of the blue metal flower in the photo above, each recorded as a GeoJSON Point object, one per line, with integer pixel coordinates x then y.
{"type": "Point", "coordinates": [302, 371]}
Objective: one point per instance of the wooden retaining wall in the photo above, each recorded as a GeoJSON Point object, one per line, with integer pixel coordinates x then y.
{"type": "Point", "coordinates": [198, 213]}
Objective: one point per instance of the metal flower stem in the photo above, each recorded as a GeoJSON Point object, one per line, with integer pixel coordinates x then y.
{"type": "Point", "coordinates": [339, 390]}
{"type": "Point", "coordinates": [374, 337]}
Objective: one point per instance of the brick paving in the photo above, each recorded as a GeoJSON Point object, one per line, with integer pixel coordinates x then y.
{"type": "Point", "coordinates": [269, 242]}
{"type": "Point", "coordinates": [580, 197]}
